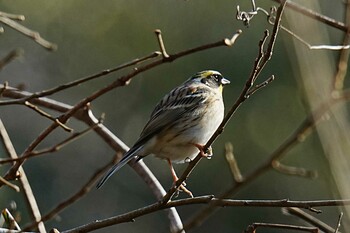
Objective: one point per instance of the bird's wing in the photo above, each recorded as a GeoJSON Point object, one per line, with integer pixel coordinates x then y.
{"type": "Point", "coordinates": [170, 109]}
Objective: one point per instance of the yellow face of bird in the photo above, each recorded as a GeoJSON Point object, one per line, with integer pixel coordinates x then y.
{"type": "Point", "coordinates": [210, 78]}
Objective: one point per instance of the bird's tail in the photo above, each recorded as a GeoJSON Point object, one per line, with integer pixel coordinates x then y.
{"type": "Point", "coordinates": [127, 157]}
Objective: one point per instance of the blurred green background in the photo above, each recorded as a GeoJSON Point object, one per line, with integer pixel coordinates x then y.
{"type": "Point", "coordinates": [96, 35]}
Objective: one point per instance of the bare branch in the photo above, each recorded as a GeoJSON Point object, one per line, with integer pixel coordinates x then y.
{"type": "Point", "coordinates": [294, 171]}
{"type": "Point", "coordinates": [344, 55]}
{"type": "Point", "coordinates": [86, 188]}
{"type": "Point", "coordinates": [27, 32]}
{"type": "Point", "coordinates": [314, 15]}
{"type": "Point", "coordinates": [10, 220]}
{"type": "Point", "coordinates": [253, 228]}
{"type": "Point", "coordinates": [231, 160]}
{"type": "Point", "coordinates": [12, 16]}
{"type": "Point", "coordinates": [81, 81]}
{"type": "Point", "coordinates": [28, 193]}
{"type": "Point", "coordinates": [309, 219]}
{"type": "Point", "coordinates": [10, 57]}
{"type": "Point", "coordinates": [45, 114]}
{"type": "Point", "coordinates": [54, 148]}
{"type": "Point", "coordinates": [339, 222]}
{"type": "Point", "coordinates": [13, 186]}
{"type": "Point", "coordinates": [161, 44]}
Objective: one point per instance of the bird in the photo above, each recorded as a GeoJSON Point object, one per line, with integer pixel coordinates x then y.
{"type": "Point", "coordinates": [180, 124]}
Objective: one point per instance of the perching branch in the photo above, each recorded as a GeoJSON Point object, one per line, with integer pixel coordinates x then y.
{"type": "Point", "coordinates": [260, 63]}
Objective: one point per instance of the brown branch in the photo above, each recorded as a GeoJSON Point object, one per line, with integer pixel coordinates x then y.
{"type": "Point", "coordinates": [161, 44]}
{"type": "Point", "coordinates": [207, 200]}
{"type": "Point", "coordinates": [80, 81]}
{"type": "Point", "coordinates": [339, 222]}
{"type": "Point", "coordinates": [253, 228]}
{"type": "Point", "coordinates": [314, 15]}
{"type": "Point", "coordinates": [86, 188]}
{"type": "Point", "coordinates": [309, 219]}
{"type": "Point", "coordinates": [9, 184]}
{"type": "Point", "coordinates": [232, 162]}
{"type": "Point", "coordinates": [294, 171]}
{"type": "Point", "coordinates": [54, 148]}
{"type": "Point", "coordinates": [12, 16]}
{"type": "Point", "coordinates": [10, 57]}
{"type": "Point", "coordinates": [28, 193]}
{"type": "Point", "coordinates": [27, 32]}
{"type": "Point", "coordinates": [48, 116]}
{"type": "Point", "coordinates": [344, 55]}
{"type": "Point", "coordinates": [10, 220]}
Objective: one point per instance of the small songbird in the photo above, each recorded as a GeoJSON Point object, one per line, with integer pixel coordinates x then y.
{"type": "Point", "coordinates": [181, 123]}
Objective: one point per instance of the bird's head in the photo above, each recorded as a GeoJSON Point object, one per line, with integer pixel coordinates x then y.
{"type": "Point", "coordinates": [210, 78]}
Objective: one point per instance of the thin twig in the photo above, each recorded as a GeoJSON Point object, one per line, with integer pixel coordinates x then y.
{"type": "Point", "coordinates": [309, 219]}
{"type": "Point", "coordinates": [86, 188]}
{"type": "Point", "coordinates": [343, 56]}
{"type": "Point", "coordinates": [339, 222]}
{"type": "Point", "coordinates": [161, 43]}
{"type": "Point", "coordinates": [48, 116]}
{"type": "Point", "coordinates": [27, 32]}
{"type": "Point", "coordinates": [3, 88]}
{"type": "Point", "coordinates": [294, 171]}
{"type": "Point", "coordinates": [54, 148]}
{"type": "Point", "coordinates": [253, 228]}
{"type": "Point", "coordinates": [28, 193]}
{"type": "Point", "coordinates": [314, 15]}
{"type": "Point", "coordinates": [10, 220]}
{"type": "Point", "coordinates": [231, 160]}
{"type": "Point", "coordinates": [10, 57]}
{"type": "Point", "coordinates": [81, 81]}
{"type": "Point", "coordinates": [9, 184]}
{"type": "Point", "coordinates": [12, 16]}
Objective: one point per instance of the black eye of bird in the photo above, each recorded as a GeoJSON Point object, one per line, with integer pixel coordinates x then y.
{"type": "Point", "coordinates": [216, 77]}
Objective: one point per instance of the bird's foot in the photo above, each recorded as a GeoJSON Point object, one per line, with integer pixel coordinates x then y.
{"type": "Point", "coordinates": [184, 189]}
{"type": "Point", "coordinates": [207, 153]}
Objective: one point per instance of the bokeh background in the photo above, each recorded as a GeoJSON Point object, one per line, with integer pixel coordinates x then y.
{"type": "Point", "coordinates": [96, 35]}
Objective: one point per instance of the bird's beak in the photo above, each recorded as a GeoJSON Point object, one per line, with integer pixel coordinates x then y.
{"type": "Point", "coordinates": [225, 81]}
